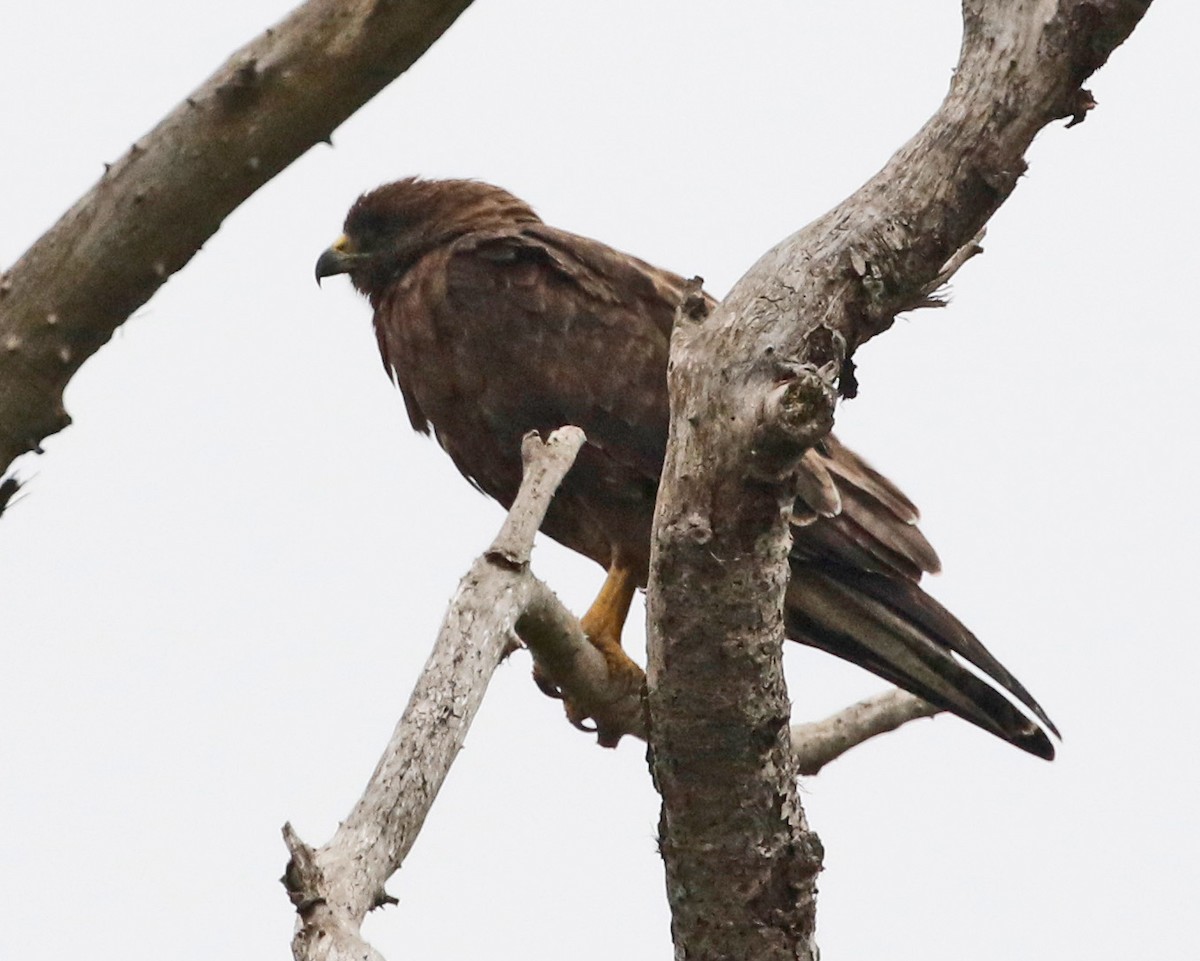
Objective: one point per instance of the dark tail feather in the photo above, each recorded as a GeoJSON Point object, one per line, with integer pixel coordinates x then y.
{"type": "Point", "coordinates": [894, 629]}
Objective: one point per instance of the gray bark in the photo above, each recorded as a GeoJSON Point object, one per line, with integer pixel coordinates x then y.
{"type": "Point", "coordinates": [817, 743]}
{"type": "Point", "coordinates": [333, 887]}
{"type": "Point", "coordinates": [752, 387]}
{"type": "Point", "coordinates": [153, 209]}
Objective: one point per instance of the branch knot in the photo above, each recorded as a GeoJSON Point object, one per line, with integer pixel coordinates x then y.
{"type": "Point", "coordinates": [794, 415]}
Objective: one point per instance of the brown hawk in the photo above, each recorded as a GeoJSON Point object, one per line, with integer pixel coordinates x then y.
{"type": "Point", "coordinates": [493, 324]}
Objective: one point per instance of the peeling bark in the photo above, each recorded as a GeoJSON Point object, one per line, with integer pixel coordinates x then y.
{"type": "Point", "coordinates": [741, 862]}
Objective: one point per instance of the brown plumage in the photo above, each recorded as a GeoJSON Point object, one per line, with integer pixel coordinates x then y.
{"type": "Point", "coordinates": [493, 324]}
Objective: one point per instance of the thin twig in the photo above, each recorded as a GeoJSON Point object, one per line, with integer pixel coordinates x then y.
{"type": "Point", "coordinates": [929, 296]}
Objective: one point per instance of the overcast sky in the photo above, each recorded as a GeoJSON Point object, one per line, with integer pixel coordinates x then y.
{"type": "Point", "coordinates": [225, 576]}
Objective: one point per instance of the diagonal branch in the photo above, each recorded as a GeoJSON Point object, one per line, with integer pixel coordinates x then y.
{"type": "Point", "coordinates": [150, 212]}
{"type": "Point", "coordinates": [333, 887]}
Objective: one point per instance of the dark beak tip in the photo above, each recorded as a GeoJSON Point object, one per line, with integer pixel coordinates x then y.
{"type": "Point", "coordinates": [331, 262]}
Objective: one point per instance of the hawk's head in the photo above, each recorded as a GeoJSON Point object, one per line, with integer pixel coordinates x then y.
{"type": "Point", "coordinates": [390, 228]}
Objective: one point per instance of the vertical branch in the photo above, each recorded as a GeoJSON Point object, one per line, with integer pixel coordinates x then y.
{"type": "Point", "coordinates": [741, 861]}
{"type": "Point", "coordinates": [751, 387]}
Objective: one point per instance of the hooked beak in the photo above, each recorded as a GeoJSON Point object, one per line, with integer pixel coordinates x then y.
{"type": "Point", "coordinates": [338, 259]}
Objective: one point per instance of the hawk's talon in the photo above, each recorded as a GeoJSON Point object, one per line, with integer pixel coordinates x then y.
{"type": "Point", "coordinates": [576, 715]}
{"type": "Point", "coordinates": [580, 723]}
{"type": "Point", "coordinates": [545, 685]}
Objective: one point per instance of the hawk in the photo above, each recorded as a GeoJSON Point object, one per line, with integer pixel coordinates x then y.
{"type": "Point", "coordinates": [493, 323]}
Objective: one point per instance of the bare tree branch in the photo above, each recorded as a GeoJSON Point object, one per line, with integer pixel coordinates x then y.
{"type": "Point", "coordinates": [741, 862]}
{"type": "Point", "coordinates": [333, 887]}
{"type": "Point", "coordinates": [569, 661]}
{"type": "Point", "coordinates": [152, 210]}
{"type": "Point", "coordinates": [817, 743]}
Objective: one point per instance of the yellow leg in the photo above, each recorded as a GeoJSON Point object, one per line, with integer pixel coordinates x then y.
{"type": "Point", "coordinates": [603, 624]}
{"type": "Point", "coordinates": [605, 619]}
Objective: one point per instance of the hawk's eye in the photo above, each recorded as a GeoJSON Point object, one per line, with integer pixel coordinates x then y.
{"type": "Point", "coordinates": [369, 231]}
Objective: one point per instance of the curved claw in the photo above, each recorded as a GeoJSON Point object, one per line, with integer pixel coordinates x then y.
{"type": "Point", "coordinates": [545, 685]}
{"type": "Point", "coordinates": [580, 723]}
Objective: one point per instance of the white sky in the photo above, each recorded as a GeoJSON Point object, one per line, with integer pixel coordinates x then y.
{"type": "Point", "coordinates": [226, 575]}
